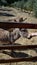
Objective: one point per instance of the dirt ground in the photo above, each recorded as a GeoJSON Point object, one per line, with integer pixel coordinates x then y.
{"type": "Point", "coordinates": [9, 14]}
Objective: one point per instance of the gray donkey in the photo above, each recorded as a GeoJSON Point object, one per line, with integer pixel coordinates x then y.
{"type": "Point", "coordinates": [12, 36]}
{"type": "Point", "coordinates": [16, 33]}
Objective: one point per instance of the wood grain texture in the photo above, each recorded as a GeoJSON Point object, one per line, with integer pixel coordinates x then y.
{"type": "Point", "coordinates": [7, 25]}
{"type": "Point", "coordinates": [18, 47]}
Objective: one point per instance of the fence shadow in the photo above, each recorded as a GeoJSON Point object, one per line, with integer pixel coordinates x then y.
{"type": "Point", "coordinates": [6, 14]}
{"type": "Point", "coordinates": [5, 9]}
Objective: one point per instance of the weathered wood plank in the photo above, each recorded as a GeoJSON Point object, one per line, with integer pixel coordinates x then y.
{"type": "Point", "coordinates": [18, 47]}
{"type": "Point", "coordinates": [7, 25]}
{"type": "Point", "coordinates": [30, 59]}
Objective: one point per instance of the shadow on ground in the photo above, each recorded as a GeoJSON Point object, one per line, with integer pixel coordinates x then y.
{"type": "Point", "coordinates": [5, 9]}
{"type": "Point", "coordinates": [13, 53]}
{"type": "Point", "coordinates": [6, 14]}
{"type": "Point", "coordinates": [17, 54]}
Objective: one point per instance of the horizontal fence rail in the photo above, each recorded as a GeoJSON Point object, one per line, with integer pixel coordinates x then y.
{"type": "Point", "coordinates": [18, 47]}
{"type": "Point", "coordinates": [7, 25]}
{"type": "Point", "coordinates": [31, 59]}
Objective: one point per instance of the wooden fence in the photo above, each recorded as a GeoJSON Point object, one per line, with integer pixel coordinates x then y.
{"type": "Point", "coordinates": [7, 25]}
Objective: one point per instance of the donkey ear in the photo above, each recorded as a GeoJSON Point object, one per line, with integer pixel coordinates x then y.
{"type": "Point", "coordinates": [21, 19]}
{"type": "Point", "coordinates": [15, 20]}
